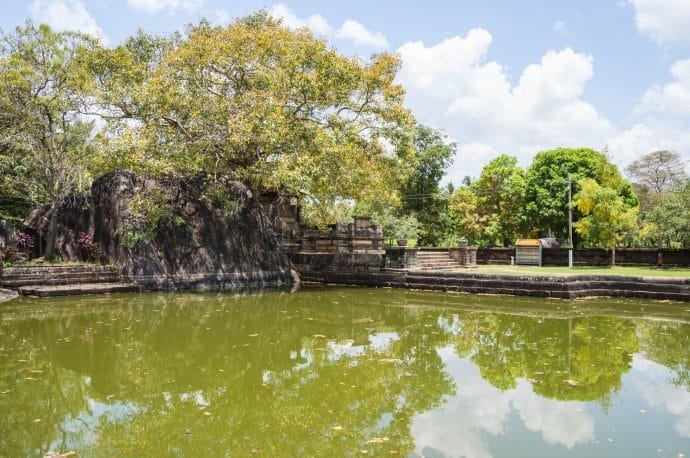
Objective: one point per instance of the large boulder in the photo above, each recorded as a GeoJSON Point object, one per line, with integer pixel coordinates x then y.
{"type": "Point", "coordinates": [170, 232]}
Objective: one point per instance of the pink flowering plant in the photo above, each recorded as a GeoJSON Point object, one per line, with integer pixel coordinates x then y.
{"type": "Point", "coordinates": [25, 244]}
{"type": "Point", "coordinates": [90, 251]}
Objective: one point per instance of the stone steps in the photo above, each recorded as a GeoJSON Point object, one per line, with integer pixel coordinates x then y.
{"type": "Point", "coordinates": [60, 280]}
{"type": "Point", "coordinates": [437, 261]}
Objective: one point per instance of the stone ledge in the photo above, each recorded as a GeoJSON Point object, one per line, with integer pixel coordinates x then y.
{"type": "Point", "coordinates": [7, 294]}
{"type": "Point", "coordinates": [563, 287]}
{"type": "Point", "coordinates": [76, 290]}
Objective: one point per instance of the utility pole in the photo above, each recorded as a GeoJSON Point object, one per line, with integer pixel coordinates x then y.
{"type": "Point", "coordinates": [570, 220]}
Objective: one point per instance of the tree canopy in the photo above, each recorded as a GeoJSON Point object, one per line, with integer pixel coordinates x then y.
{"type": "Point", "coordinates": [546, 206]}
{"type": "Point", "coordinates": [421, 192]}
{"type": "Point", "coordinates": [267, 105]}
{"type": "Point", "coordinates": [44, 138]}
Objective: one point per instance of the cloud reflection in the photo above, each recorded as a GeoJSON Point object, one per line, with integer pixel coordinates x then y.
{"type": "Point", "coordinates": [478, 408]}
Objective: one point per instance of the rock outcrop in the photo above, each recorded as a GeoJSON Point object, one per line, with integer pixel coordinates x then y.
{"type": "Point", "coordinates": [189, 232]}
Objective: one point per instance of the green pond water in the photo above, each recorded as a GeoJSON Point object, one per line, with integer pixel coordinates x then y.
{"type": "Point", "coordinates": [343, 372]}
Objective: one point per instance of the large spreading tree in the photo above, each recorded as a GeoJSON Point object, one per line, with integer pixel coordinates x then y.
{"type": "Point", "coordinates": [273, 107]}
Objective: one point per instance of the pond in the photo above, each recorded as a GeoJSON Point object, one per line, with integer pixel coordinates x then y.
{"type": "Point", "coordinates": [343, 372]}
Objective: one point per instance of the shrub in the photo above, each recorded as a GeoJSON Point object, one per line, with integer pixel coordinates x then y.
{"type": "Point", "coordinates": [25, 244]}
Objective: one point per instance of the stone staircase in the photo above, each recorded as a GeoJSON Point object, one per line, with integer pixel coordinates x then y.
{"type": "Point", "coordinates": [48, 281]}
{"type": "Point", "coordinates": [436, 260]}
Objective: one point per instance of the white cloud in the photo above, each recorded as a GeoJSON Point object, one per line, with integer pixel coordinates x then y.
{"type": "Point", "coordinates": [65, 15]}
{"type": "Point", "coordinates": [153, 6]}
{"type": "Point", "coordinates": [662, 116]}
{"type": "Point", "coordinates": [315, 22]}
{"type": "Point", "coordinates": [672, 98]}
{"type": "Point", "coordinates": [650, 135]}
{"type": "Point", "coordinates": [452, 86]}
{"type": "Point", "coordinates": [353, 30]}
{"type": "Point", "coordinates": [663, 20]}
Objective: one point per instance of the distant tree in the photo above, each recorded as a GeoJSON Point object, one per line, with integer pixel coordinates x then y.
{"type": "Point", "coordinates": [500, 191]}
{"type": "Point", "coordinates": [44, 139]}
{"type": "Point", "coordinates": [546, 196]}
{"type": "Point", "coordinates": [670, 218]}
{"type": "Point", "coordinates": [660, 171]}
{"type": "Point", "coordinates": [658, 177]}
{"type": "Point", "coordinates": [464, 211]}
{"type": "Point", "coordinates": [421, 192]}
{"type": "Point", "coordinates": [606, 218]}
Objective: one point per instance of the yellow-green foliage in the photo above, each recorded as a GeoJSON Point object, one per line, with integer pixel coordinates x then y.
{"type": "Point", "coordinates": [273, 107]}
{"type": "Point", "coordinates": [607, 218]}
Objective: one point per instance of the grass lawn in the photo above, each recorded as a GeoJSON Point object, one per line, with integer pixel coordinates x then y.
{"type": "Point", "coordinates": [596, 270]}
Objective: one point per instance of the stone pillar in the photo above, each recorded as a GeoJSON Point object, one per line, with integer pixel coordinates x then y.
{"type": "Point", "coordinates": [468, 254]}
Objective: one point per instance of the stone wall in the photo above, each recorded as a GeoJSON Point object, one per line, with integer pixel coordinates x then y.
{"type": "Point", "coordinates": [401, 257]}
{"type": "Point", "coordinates": [354, 247]}
{"type": "Point", "coordinates": [593, 256]}
{"type": "Point", "coordinates": [495, 255]}
{"type": "Point", "coordinates": [562, 287]}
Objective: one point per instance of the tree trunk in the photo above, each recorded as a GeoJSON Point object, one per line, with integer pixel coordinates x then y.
{"type": "Point", "coordinates": [50, 233]}
{"type": "Point", "coordinates": [613, 256]}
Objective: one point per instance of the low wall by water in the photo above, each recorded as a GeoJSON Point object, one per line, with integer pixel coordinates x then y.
{"type": "Point", "coordinates": [562, 287]}
{"type": "Point", "coordinates": [593, 256]}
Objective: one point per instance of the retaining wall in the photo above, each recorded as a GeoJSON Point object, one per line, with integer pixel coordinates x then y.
{"type": "Point", "coordinates": [563, 287]}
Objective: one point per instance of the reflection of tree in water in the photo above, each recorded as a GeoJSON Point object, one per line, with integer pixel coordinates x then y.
{"type": "Point", "coordinates": [668, 344]}
{"type": "Point", "coordinates": [271, 373]}
{"type": "Point", "coordinates": [565, 359]}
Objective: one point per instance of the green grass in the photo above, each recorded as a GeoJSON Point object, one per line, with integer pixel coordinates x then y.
{"type": "Point", "coordinates": [594, 270]}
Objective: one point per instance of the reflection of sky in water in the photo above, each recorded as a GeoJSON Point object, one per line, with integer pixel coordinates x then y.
{"type": "Point", "coordinates": [477, 408]}
{"type": "Point", "coordinates": [660, 396]}
{"type": "Point", "coordinates": [80, 431]}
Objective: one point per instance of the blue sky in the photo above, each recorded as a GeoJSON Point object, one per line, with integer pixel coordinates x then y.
{"type": "Point", "coordinates": [497, 76]}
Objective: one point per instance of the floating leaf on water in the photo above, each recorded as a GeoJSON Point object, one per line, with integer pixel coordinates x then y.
{"type": "Point", "coordinates": [378, 440]}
